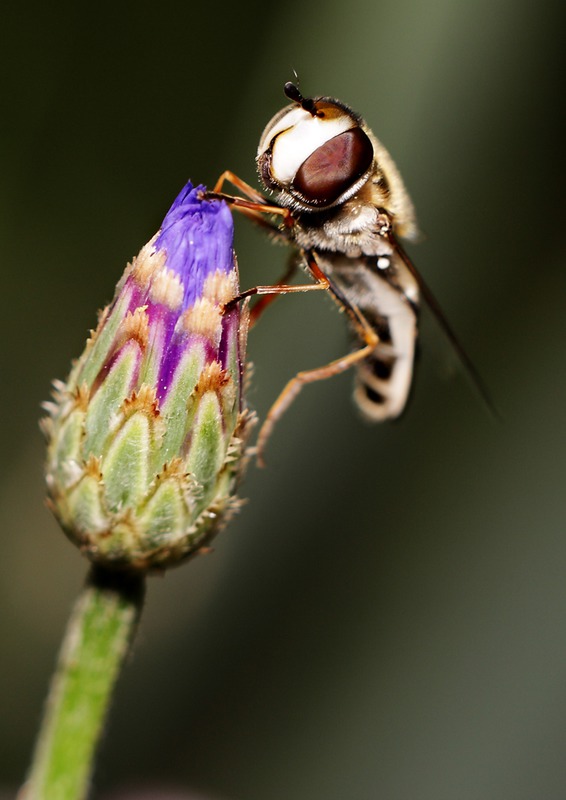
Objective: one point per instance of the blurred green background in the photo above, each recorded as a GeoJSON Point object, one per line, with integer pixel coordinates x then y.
{"type": "Point", "coordinates": [387, 616]}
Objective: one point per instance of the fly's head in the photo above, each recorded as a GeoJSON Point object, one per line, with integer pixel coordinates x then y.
{"type": "Point", "coordinates": [315, 152]}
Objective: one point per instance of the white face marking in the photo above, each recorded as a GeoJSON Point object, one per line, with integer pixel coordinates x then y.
{"type": "Point", "coordinates": [293, 115]}
{"type": "Point", "coordinates": [383, 262]}
{"type": "Point", "coordinates": [297, 135]}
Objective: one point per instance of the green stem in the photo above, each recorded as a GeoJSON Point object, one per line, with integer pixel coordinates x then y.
{"type": "Point", "coordinates": [96, 643]}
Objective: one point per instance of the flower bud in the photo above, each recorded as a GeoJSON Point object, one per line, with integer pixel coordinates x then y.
{"type": "Point", "coordinates": [146, 438]}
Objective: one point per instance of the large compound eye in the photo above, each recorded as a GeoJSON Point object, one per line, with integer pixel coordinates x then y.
{"type": "Point", "coordinates": [333, 167]}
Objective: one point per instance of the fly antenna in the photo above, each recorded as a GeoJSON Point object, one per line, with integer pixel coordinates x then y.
{"type": "Point", "coordinates": [293, 93]}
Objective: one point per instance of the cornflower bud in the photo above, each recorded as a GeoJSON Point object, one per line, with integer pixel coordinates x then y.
{"type": "Point", "coordinates": [146, 438]}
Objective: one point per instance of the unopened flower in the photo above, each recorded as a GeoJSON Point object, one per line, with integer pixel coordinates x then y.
{"type": "Point", "coordinates": [146, 438]}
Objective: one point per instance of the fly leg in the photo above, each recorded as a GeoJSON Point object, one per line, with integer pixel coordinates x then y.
{"type": "Point", "coordinates": [295, 385]}
{"type": "Point", "coordinates": [256, 206]}
{"type": "Point", "coordinates": [364, 331]}
{"type": "Point", "coordinates": [242, 186]}
{"type": "Point", "coordinates": [253, 205]}
{"type": "Point", "coordinates": [272, 291]}
{"type": "Point", "coordinates": [266, 300]}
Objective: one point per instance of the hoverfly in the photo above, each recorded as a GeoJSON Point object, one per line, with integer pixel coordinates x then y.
{"type": "Point", "coordinates": [343, 205]}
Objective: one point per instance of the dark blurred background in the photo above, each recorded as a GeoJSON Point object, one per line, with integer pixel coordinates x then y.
{"type": "Point", "coordinates": [387, 616]}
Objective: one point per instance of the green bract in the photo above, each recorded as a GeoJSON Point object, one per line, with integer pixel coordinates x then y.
{"type": "Point", "coordinates": [146, 439]}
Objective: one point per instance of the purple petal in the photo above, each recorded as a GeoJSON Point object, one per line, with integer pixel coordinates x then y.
{"type": "Point", "coordinates": [197, 237]}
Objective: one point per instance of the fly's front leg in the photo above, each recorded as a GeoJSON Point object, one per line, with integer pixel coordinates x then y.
{"type": "Point", "coordinates": [242, 186]}
{"type": "Point", "coordinates": [254, 211]}
{"type": "Point", "coordinates": [253, 205]}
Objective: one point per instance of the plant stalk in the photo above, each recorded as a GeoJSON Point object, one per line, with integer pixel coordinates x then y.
{"type": "Point", "coordinates": [97, 640]}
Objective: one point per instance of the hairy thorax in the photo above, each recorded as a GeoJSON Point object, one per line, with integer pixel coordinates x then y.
{"type": "Point", "coordinates": [359, 226]}
{"type": "Point", "coordinates": [356, 228]}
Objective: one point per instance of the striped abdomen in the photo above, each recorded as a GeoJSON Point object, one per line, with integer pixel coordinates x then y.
{"type": "Point", "coordinates": [383, 289]}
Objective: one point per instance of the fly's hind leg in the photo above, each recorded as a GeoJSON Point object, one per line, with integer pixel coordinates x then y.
{"type": "Point", "coordinates": [295, 385]}
{"type": "Point", "coordinates": [366, 334]}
